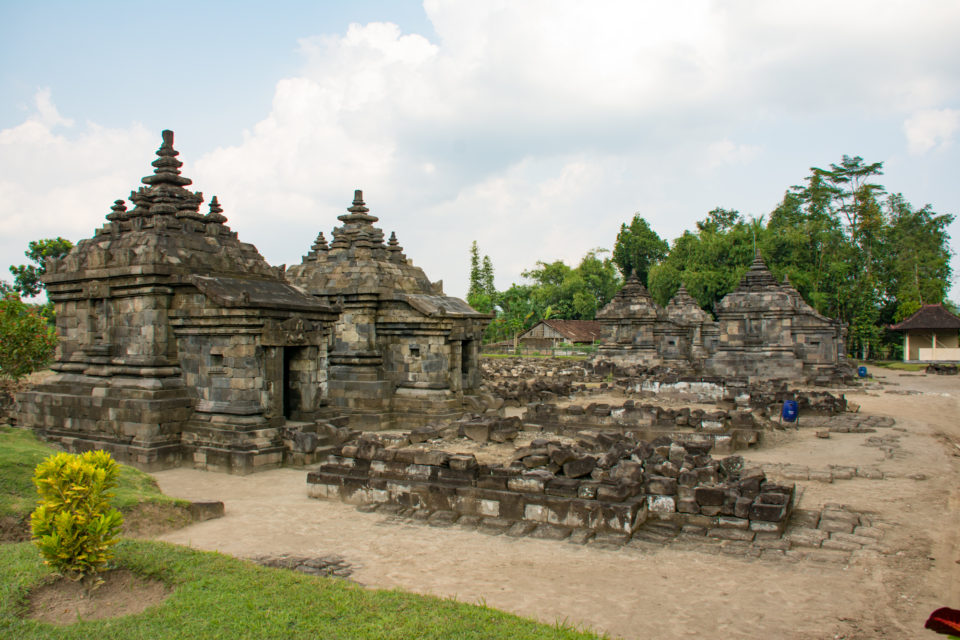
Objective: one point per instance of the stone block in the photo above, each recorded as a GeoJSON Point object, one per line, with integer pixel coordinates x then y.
{"type": "Point", "coordinates": [727, 522]}
{"type": "Point", "coordinates": [432, 458]}
{"type": "Point", "coordinates": [768, 512]}
{"type": "Point", "coordinates": [521, 529]}
{"type": "Point", "coordinates": [821, 476]}
{"type": "Point", "coordinates": [874, 533]}
{"type": "Point", "coordinates": [853, 538]}
{"type": "Point", "coordinates": [839, 545]}
{"type": "Point", "coordinates": [761, 526]}
{"type": "Point", "coordinates": [661, 485]}
{"type": "Point", "coordinates": [580, 467]}
{"type": "Point", "coordinates": [731, 534]}
{"type": "Point", "coordinates": [565, 487]}
{"type": "Point", "coordinates": [710, 496]}
{"type": "Point", "coordinates": [550, 532]}
{"type": "Point", "coordinates": [661, 504]}
{"type": "Point", "coordinates": [527, 484]}
{"type": "Point", "coordinates": [462, 462]}
{"type": "Point", "coordinates": [805, 518]}
{"type": "Point", "coordinates": [476, 431]}
{"type": "Point", "coordinates": [803, 537]}
{"type": "Point", "coordinates": [581, 536]}
{"type": "Point", "coordinates": [494, 526]}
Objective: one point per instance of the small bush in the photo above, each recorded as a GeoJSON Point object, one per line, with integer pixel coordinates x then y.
{"type": "Point", "coordinates": [27, 341]}
{"type": "Point", "coordinates": [74, 525]}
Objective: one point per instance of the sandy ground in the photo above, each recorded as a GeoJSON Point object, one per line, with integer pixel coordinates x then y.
{"type": "Point", "coordinates": [675, 592]}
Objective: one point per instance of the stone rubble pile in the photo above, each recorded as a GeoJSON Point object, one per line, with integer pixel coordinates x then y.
{"type": "Point", "coordinates": [942, 368]}
{"type": "Point", "coordinates": [722, 431]}
{"type": "Point", "coordinates": [479, 428]}
{"type": "Point", "coordinates": [565, 487]}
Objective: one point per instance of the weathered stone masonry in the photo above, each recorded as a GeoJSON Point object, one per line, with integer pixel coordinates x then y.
{"type": "Point", "coordinates": [614, 492]}
{"type": "Point", "coordinates": [764, 331]}
{"type": "Point", "coordinates": [403, 352]}
{"type": "Point", "coordinates": [178, 342]}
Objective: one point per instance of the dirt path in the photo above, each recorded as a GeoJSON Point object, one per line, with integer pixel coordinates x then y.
{"type": "Point", "coordinates": [644, 591]}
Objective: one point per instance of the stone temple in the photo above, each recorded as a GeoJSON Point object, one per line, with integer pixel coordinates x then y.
{"type": "Point", "coordinates": [403, 353]}
{"type": "Point", "coordinates": [180, 344]}
{"type": "Point", "coordinates": [764, 331]}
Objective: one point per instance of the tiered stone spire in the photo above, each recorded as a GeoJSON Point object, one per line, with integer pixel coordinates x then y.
{"type": "Point", "coordinates": [683, 307]}
{"type": "Point", "coordinates": [317, 250]}
{"type": "Point", "coordinates": [357, 229]}
{"type": "Point", "coordinates": [165, 193]}
{"type": "Point", "coordinates": [320, 244]}
{"type": "Point", "coordinates": [757, 276]}
{"type": "Point", "coordinates": [395, 251]}
{"type": "Point", "coordinates": [216, 212]}
{"type": "Point", "coordinates": [632, 301]}
{"type": "Point", "coordinates": [118, 211]}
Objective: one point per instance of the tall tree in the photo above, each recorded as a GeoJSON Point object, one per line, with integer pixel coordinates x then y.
{"type": "Point", "coordinates": [917, 267]}
{"type": "Point", "coordinates": [26, 278]}
{"type": "Point", "coordinates": [482, 294]}
{"type": "Point", "coordinates": [638, 247]}
{"type": "Point", "coordinates": [708, 263]}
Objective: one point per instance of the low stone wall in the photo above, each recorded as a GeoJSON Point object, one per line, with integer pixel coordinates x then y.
{"type": "Point", "coordinates": [520, 381]}
{"type": "Point", "coordinates": [561, 486]}
{"type": "Point", "coordinates": [720, 431]}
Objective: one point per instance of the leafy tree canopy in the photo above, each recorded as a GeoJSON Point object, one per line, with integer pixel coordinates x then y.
{"type": "Point", "coordinates": [638, 247]}
{"type": "Point", "coordinates": [26, 278]}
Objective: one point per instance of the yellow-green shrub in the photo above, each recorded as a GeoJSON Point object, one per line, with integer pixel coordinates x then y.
{"type": "Point", "coordinates": [74, 525]}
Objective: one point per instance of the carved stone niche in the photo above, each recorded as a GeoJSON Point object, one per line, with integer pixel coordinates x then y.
{"type": "Point", "coordinates": [97, 290]}
{"type": "Point", "coordinates": [291, 333]}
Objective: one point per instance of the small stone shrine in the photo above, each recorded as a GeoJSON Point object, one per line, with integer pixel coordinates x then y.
{"type": "Point", "coordinates": [402, 353]}
{"type": "Point", "coordinates": [628, 322]}
{"type": "Point", "coordinates": [178, 342]}
{"type": "Point", "coordinates": [764, 331]}
{"type": "Point", "coordinates": [767, 331]}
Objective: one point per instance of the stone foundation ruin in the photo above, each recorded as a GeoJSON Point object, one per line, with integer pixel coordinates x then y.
{"type": "Point", "coordinates": [609, 485]}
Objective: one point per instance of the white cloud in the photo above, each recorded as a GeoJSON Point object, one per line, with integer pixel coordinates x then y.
{"type": "Point", "coordinates": [931, 128]}
{"type": "Point", "coordinates": [534, 127]}
{"type": "Point", "coordinates": [726, 152]}
{"type": "Point", "coordinates": [60, 180]}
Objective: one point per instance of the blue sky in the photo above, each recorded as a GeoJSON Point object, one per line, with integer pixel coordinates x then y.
{"type": "Point", "coordinates": [534, 127]}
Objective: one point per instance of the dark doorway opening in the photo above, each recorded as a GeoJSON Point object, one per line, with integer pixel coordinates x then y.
{"type": "Point", "coordinates": [292, 397]}
{"type": "Point", "coordinates": [466, 357]}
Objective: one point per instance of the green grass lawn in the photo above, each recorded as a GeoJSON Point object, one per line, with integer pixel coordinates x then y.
{"type": "Point", "coordinates": [20, 452]}
{"type": "Point", "coordinates": [216, 596]}
{"type": "Point", "coordinates": [896, 364]}
{"type": "Point", "coordinates": [533, 355]}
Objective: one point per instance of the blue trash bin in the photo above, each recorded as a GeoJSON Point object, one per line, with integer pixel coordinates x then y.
{"type": "Point", "coordinates": [790, 410]}
{"type": "Point", "coordinates": [862, 372]}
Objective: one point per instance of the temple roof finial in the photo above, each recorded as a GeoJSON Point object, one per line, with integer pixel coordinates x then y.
{"type": "Point", "coordinates": [118, 211]}
{"type": "Point", "coordinates": [166, 166]}
{"type": "Point", "coordinates": [320, 244]}
{"type": "Point", "coordinates": [358, 215]}
{"type": "Point", "coordinates": [358, 203]}
{"type": "Point", "coordinates": [216, 212]}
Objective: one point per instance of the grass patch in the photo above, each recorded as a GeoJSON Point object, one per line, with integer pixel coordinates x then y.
{"type": "Point", "coordinates": [898, 365]}
{"type": "Point", "coordinates": [215, 596]}
{"type": "Point", "coordinates": [533, 355]}
{"type": "Point", "coordinates": [21, 452]}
